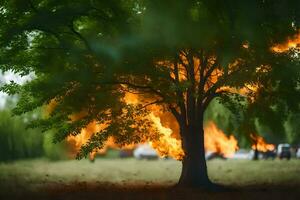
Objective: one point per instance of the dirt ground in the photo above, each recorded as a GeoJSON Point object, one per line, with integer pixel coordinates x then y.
{"type": "Point", "coordinates": [133, 179]}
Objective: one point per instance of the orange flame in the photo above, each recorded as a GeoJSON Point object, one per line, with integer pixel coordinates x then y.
{"type": "Point", "coordinates": [166, 145]}
{"type": "Point", "coordinates": [76, 141]}
{"type": "Point", "coordinates": [293, 42]}
{"type": "Point", "coordinates": [260, 144]}
{"type": "Point", "coordinates": [217, 141]}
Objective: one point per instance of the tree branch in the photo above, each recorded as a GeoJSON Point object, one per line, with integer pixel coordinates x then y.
{"type": "Point", "coordinates": [151, 103]}
{"type": "Point", "coordinates": [178, 116]}
{"type": "Point", "coordinates": [142, 87]}
{"type": "Point", "coordinates": [191, 96]}
{"type": "Point", "coordinates": [179, 94]}
{"type": "Point", "coordinates": [71, 26]}
{"type": "Point", "coordinates": [208, 99]}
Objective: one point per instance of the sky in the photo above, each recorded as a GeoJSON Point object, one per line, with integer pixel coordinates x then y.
{"type": "Point", "coordinates": [8, 76]}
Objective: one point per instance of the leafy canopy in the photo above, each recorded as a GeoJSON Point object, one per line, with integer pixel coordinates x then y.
{"type": "Point", "coordinates": [179, 55]}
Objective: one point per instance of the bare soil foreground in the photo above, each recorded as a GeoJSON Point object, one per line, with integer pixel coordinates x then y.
{"type": "Point", "coordinates": [135, 179]}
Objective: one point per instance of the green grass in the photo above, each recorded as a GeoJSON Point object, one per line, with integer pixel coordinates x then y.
{"type": "Point", "coordinates": [230, 172]}
{"type": "Point", "coordinates": [41, 174]}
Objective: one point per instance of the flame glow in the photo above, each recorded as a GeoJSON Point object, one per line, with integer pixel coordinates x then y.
{"type": "Point", "coordinates": [166, 145]}
{"type": "Point", "coordinates": [293, 42]}
{"type": "Point", "coordinates": [260, 144]}
{"type": "Point", "coordinates": [217, 141]}
{"type": "Point", "coordinates": [76, 141]}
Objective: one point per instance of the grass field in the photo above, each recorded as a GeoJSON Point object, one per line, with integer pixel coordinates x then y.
{"type": "Point", "coordinates": [135, 179]}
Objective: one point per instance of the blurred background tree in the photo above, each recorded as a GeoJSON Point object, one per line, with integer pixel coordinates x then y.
{"type": "Point", "coordinates": [16, 141]}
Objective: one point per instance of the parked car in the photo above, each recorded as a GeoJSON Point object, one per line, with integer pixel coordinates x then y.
{"type": "Point", "coordinates": [145, 151]}
{"type": "Point", "coordinates": [241, 154]}
{"type": "Point", "coordinates": [284, 151]}
{"type": "Point", "coordinates": [269, 154]}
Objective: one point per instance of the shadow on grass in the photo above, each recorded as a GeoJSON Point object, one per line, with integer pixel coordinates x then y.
{"type": "Point", "coordinates": [97, 190]}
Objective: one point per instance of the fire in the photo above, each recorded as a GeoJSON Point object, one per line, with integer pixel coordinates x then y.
{"type": "Point", "coordinates": [217, 141]}
{"type": "Point", "coordinates": [76, 141]}
{"type": "Point", "coordinates": [293, 42]}
{"type": "Point", "coordinates": [260, 144]}
{"type": "Point", "coordinates": [166, 145]}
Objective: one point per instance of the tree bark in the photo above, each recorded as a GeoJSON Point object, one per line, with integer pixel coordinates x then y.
{"type": "Point", "coordinates": [194, 169]}
{"type": "Point", "coordinates": [256, 154]}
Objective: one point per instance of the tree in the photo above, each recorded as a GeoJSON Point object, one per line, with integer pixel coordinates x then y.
{"type": "Point", "coordinates": [292, 129]}
{"type": "Point", "coordinates": [17, 143]}
{"type": "Point", "coordinates": [177, 55]}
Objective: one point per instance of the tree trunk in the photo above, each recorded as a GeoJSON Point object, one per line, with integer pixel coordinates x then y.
{"type": "Point", "coordinates": [256, 153]}
{"type": "Point", "coordinates": [194, 170]}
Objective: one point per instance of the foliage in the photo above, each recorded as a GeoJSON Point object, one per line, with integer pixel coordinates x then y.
{"type": "Point", "coordinates": [179, 55]}
{"type": "Point", "coordinates": [292, 128]}
{"type": "Point", "coordinates": [54, 151]}
{"type": "Point", "coordinates": [16, 141]}
{"type": "Point", "coordinates": [227, 121]}
{"type": "Point", "coordinates": [230, 124]}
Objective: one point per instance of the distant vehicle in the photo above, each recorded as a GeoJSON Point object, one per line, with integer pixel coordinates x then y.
{"type": "Point", "coordinates": [241, 154]}
{"type": "Point", "coordinates": [262, 155]}
{"type": "Point", "coordinates": [284, 151]}
{"type": "Point", "coordinates": [269, 154]}
{"type": "Point", "coordinates": [145, 151]}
